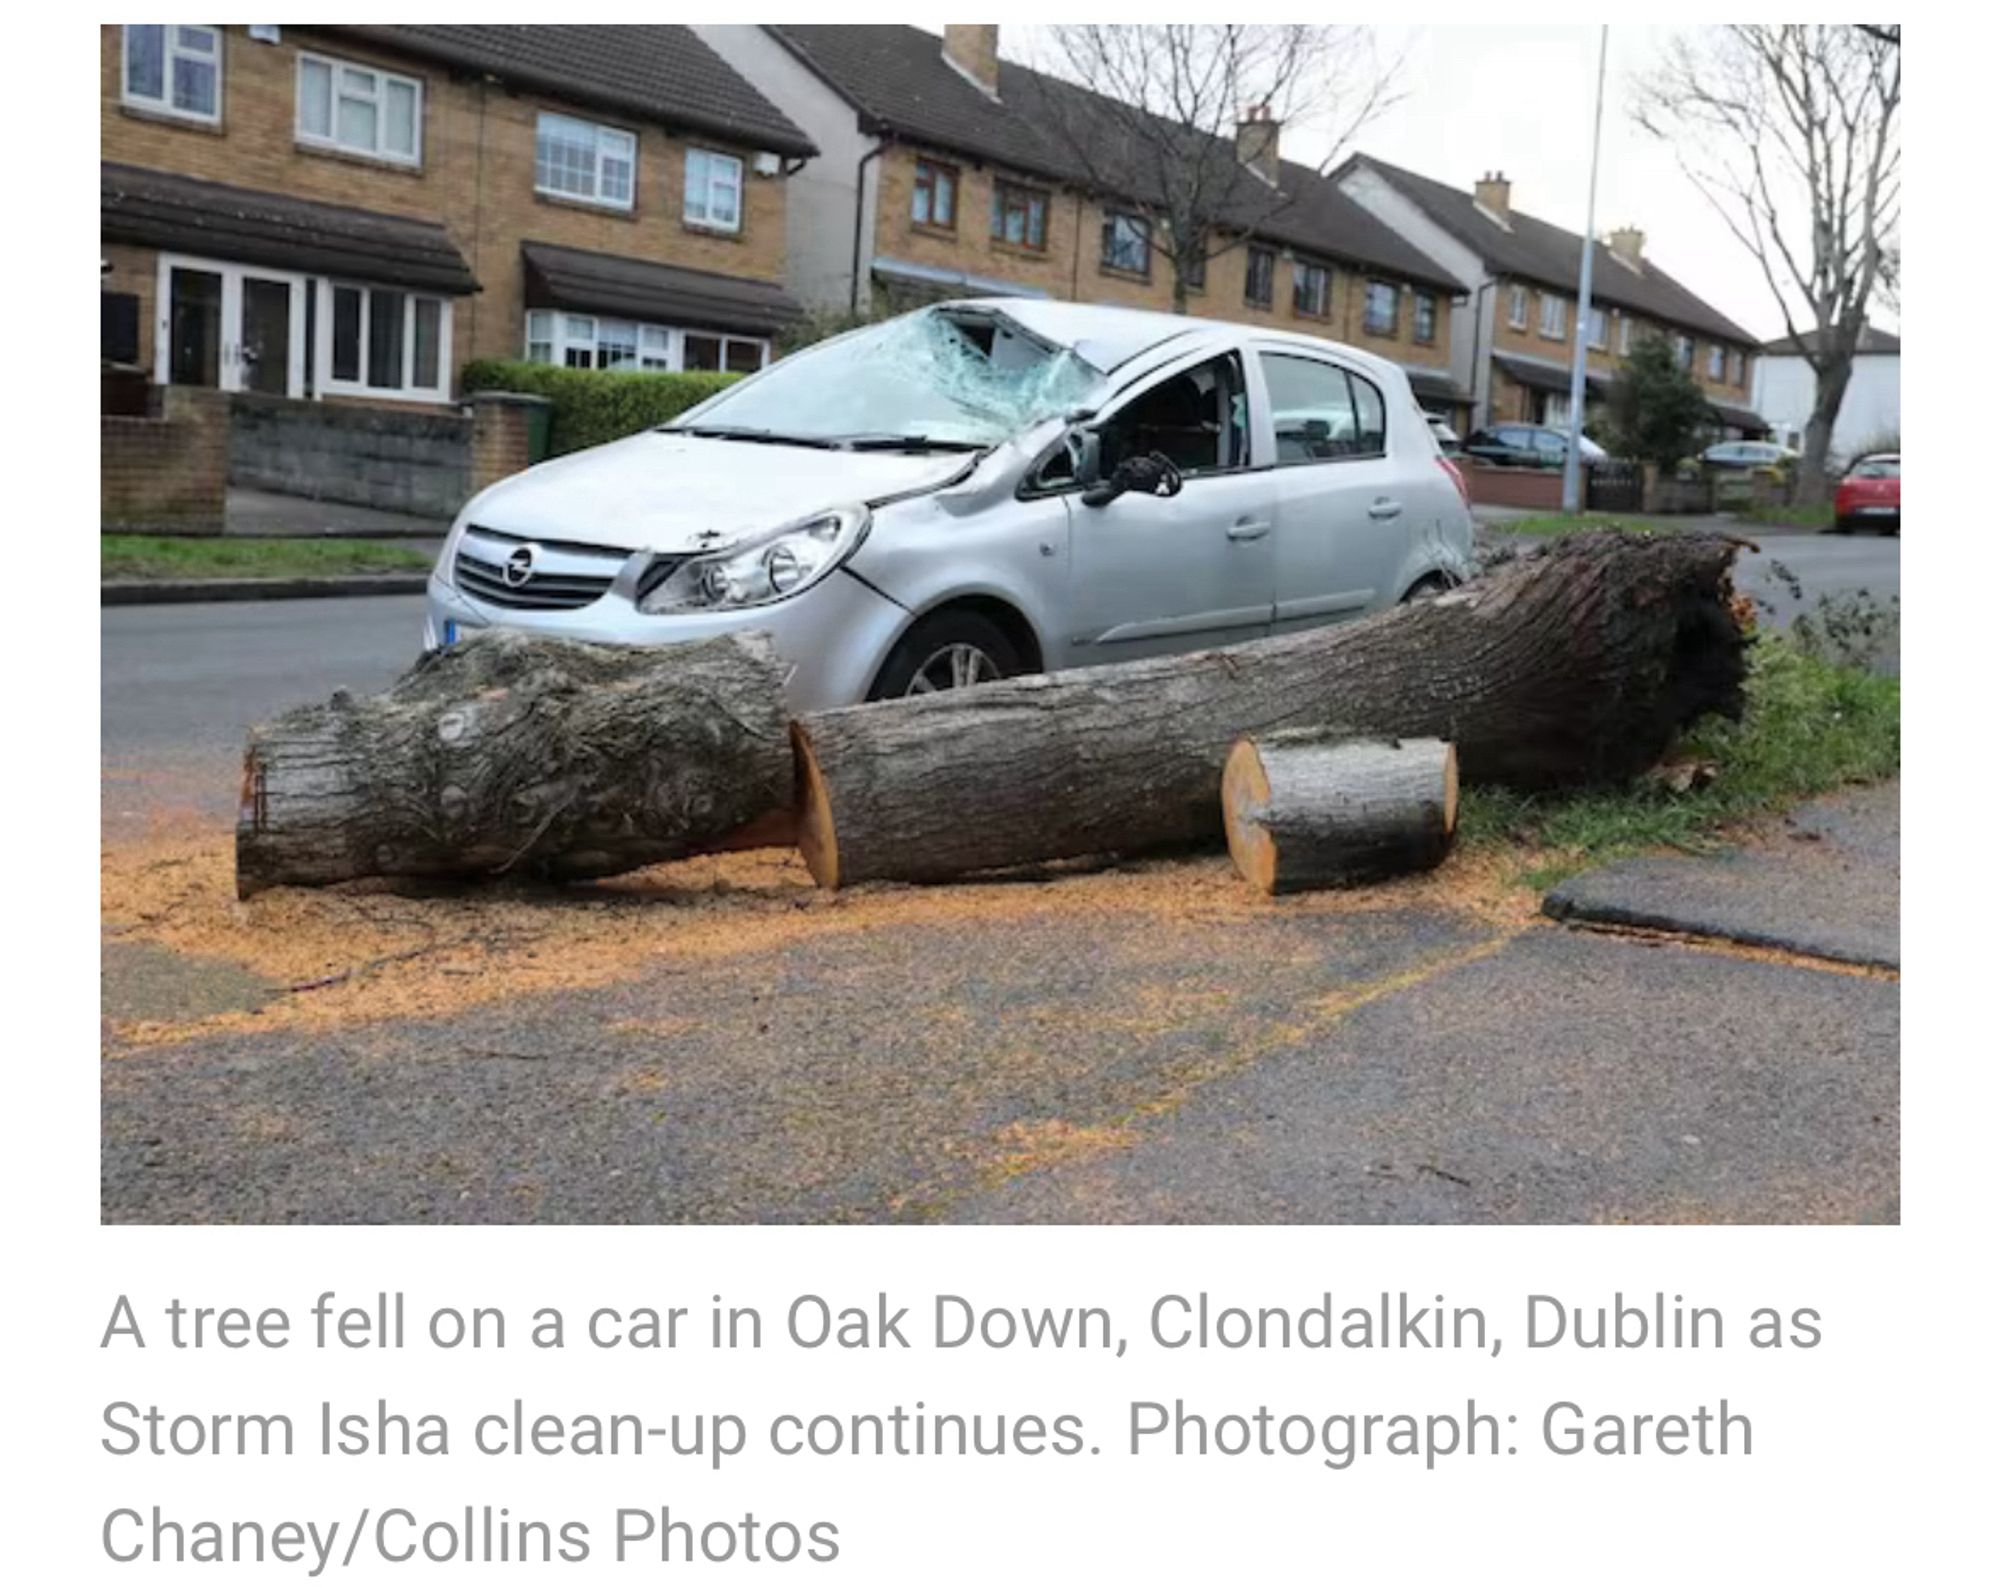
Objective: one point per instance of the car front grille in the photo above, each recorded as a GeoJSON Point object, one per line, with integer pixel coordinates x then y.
{"type": "Point", "coordinates": [562, 575]}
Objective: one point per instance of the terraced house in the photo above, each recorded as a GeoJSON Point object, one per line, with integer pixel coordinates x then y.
{"type": "Point", "coordinates": [939, 177]}
{"type": "Point", "coordinates": [352, 213]}
{"type": "Point", "coordinates": [1514, 320]}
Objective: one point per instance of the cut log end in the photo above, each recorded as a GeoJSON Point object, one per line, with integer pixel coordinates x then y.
{"type": "Point", "coordinates": [814, 817]}
{"type": "Point", "coordinates": [1302, 811]}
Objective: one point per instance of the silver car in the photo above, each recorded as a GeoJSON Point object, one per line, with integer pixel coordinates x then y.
{"type": "Point", "coordinates": [978, 489]}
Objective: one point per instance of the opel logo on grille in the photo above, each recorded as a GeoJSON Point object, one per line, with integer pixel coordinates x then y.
{"type": "Point", "coordinates": [519, 567]}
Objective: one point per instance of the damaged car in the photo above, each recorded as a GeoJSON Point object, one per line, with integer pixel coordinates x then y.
{"type": "Point", "coordinates": [980, 489]}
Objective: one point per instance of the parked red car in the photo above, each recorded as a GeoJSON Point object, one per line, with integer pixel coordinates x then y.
{"type": "Point", "coordinates": [1870, 495]}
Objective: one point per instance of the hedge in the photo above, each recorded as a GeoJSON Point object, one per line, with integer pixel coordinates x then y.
{"type": "Point", "coordinates": [592, 406]}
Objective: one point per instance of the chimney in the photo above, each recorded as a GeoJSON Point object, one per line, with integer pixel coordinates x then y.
{"type": "Point", "coordinates": [1627, 244]}
{"type": "Point", "coordinates": [974, 48]}
{"type": "Point", "coordinates": [1492, 193]}
{"type": "Point", "coordinates": [1257, 142]}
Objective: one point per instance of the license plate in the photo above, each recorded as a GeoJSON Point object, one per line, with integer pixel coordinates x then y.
{"type": "Point", "coordinates": [1874, 512]}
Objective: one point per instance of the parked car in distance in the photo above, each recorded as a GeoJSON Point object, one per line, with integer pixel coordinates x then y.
{"type": "Point", "coordinates": [1749, 455]}
{"type": "Point", "coordinates": [1870, 494]}
{"type": "Point", "coordinates": [1528, 446]}
{"type": "Point", "coordinates": [982, 488]}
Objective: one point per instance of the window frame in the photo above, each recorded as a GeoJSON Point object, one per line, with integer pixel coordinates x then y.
{"type": "Point", "coordinates": [1718, 362]}
{"type": "Point", "coordinates": [599, 129]}
{"type": "Point", "coordinates": [1517, 307]}
{"type": "Point", "coordinates": [1624, 336]}
{"type": "Point", "coordinates": [1739, 366]}
{"type": "Point", "coordinates": [170, 49]}
{"type": "Point", "coordinates": [710, 157]}
{"type": "Point", "coordinates": [1032, 199]}
{"type": "Point", "coordinates": [1270, 257]}
{"type": "Point", "coordinates": [330, 140]}
{"type": "Point", "coordinates": [1422, 304]}
{"type": "Point", "coordinates": [924, 181]}
{"type": "Point", "coordinates": [1598, 333]}
{"type": "Point", "coordinates": [1143, 228]}
{"type": "Point", "coordinates": [1368, 325]}
{"type": "Point", "coordinates": [1266, 352]}
{"type": "Point", "coordinates": [1684, 352]}
{"type": "Point", "coordinates": [1304, 270]}
{"type": "Point", "coordinates": [326, 383]}
{"type": "Point", "coordinates": [647, 335]}
{"type": "Point", "coordinates": [1545, 302]}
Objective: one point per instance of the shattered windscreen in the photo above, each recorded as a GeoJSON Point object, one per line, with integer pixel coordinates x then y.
{"type": "Point", "coordinates": [945, 375]}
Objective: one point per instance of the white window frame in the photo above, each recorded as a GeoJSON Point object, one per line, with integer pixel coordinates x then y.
{"type": "Point", "coordinates": [1517, 307]}
{"type": "Point", "coordinates": [1600, 328]}
{"type": "Point", "coordinates": [1737, 365]}
{"type": "Point", "coordinates": [710, 160]}
{"type": "Point", "coordinates": [599, 132]}
{"type": "Point", "coordinates": [1718, 361]}
{"type": "Point", "coordinates": [1554, 309]}
{"type": "Point", "coordinates": [327, 385]}
{"type": "Point", "coordinates": [1684, 352]}
{"type": "Point", "coordinates": [331, 139]}
{"type": "Point", "coordinates": [1369, 294]}
{"type": "Point", "coordinates": [672, 339]}
{"type": "Point", "coordinates": [1624, 335]}
{"type": "Point", "coordinates": [172, 47]}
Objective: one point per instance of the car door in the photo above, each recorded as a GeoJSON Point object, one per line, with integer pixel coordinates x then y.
{"type": "Point", "coordinates": [1340, 511]}
{"type": "Point", "coordinates": [1154, 574]}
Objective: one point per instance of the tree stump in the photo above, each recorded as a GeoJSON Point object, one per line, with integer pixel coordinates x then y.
{"type": "Point", "coordinates": [516, 754]}
{"type": "Point", "coordinates": [1573, 664]}
{"type": "Point", "coordinates": [1303, 811]}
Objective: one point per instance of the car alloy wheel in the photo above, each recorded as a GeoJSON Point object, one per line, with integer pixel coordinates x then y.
{"type": "Point", "coordinates": [958, 666]}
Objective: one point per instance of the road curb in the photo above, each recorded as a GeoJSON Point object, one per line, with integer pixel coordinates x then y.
{"type": "Point", "coordinates": [170, 592]}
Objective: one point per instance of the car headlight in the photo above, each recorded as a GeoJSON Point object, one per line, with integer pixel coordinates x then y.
{"type": "Point", "coordinates": [754, 572]}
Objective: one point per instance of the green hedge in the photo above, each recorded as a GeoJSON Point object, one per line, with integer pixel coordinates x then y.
{"type": "Point", "coordinates": [592, 406]}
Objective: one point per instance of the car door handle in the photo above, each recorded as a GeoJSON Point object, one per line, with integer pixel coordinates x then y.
{"type": "Point", "coordinates": [1385, 507]}
{"type": "Point", "coordinates": [1250, 529]}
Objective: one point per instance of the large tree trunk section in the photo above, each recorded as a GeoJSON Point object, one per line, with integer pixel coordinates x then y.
{"type": "Point", "coordinates": [1302, 811]}
{"type": "Point", "coordinates": [516, 754]}
{"type": "Point", "coordinates": [1575, 663]}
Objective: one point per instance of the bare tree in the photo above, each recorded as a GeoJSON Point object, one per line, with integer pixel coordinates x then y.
{"type": "Point", "coordinates": [1148, 114]}
{"type": "Point", "coordinates": [1792, 131]}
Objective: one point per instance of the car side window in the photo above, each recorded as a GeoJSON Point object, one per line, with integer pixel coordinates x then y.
{"type": "Point", "coordinates": [1320, 412]}
{"type": "Point", "coordinates": [1198, 419]}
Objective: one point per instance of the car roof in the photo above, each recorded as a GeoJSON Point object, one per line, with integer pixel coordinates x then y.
{"type": "Point", "coordinates": [1108, 338]}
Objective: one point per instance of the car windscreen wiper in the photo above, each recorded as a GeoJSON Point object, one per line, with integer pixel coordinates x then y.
{"type": "Point", "coordinates": [895, 443]}
{"type": "Point", "coordinates": [769, 438]}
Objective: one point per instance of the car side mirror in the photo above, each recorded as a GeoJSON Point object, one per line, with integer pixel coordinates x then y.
{"type": "Point", "coordinates": [1152, 474]}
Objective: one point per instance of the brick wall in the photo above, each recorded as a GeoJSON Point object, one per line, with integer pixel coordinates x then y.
{"type": "Point", "coordinates": [477, 176]}
{"type": "Point", "coordinates": [502, 424]}
{"type": "Point", "coordinates": [400, 460]}
{"type": "Point", "coordinates": [165, 473]}
{"type": "Point", "coordinates": [1538, 489]}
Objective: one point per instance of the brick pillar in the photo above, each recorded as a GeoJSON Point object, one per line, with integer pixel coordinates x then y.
{"type": "Point", "coordinates": [500, 434]}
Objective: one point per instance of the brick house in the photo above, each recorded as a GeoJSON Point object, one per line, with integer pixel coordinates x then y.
{"type": "Point", "coordinates": [353, 213]}
{"type": "Point", "coordinates": [938, 178]}
{"type": "Point", "coordinates": [1514, 323]}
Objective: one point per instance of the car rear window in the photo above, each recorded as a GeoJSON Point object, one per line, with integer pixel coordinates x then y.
{"type": "Point", "coordinates": [1878, 469]}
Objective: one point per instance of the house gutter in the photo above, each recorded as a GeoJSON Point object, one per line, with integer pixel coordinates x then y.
{"type": "Point", "coordinates": [860, 197]}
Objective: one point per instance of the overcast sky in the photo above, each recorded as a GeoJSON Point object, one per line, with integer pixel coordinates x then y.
{"type": "Point", "coordinates": [1477, 97]}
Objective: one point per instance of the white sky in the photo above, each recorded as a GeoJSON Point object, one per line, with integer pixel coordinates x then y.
{"type": "Point", "coordinates": [1519, 98]}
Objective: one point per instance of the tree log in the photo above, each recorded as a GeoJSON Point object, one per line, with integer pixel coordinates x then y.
{"type": "Point", "coordinates": [1574, 663]}
{"type": "Point", "coordinates": [511, 753]}
{"type": "Point", "coordinates": [1303, 811]}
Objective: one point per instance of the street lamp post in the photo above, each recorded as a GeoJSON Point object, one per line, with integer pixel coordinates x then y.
{"type": "Point", "coordinates": [1580, 355]}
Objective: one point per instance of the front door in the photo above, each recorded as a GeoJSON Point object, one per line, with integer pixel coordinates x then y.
{"type": "Point", "coordinates": [236, 327]}
{"type": "Point", "coordinates": [1151, 574]}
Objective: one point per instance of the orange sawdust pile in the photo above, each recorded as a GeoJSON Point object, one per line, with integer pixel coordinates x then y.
{"type": "Point", "coordinates": [363, 952]}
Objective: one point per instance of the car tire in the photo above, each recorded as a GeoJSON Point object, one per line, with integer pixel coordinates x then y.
{"type": "Point", "coordinates": [947, 650]}
{"type": "Point", "coordinates": [1843, 526]}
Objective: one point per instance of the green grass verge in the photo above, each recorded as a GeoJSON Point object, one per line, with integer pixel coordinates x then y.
{"type": "Point", "coordinates": [1575, 523]}
{"type": "Point", "coordinates": [249, 557]}
{"type": "Point", "coordinates": [1809, 725]}
{"type": "Point", "coordinates": [1817, 516]}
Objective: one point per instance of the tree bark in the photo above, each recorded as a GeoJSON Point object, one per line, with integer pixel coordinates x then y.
{"type": "Point", "coordinates": [1304, 811]}
{"type": "Point", "coordinates": [1575, 663]}
{"type": "Point", "coordinates": [517, 754]}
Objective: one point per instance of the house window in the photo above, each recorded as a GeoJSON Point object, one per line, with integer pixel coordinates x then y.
{"type": "Point", "coordinates": [583, 161]}
{"type": "Point", "coordinates": [1555, 316]}
{"type": "Point", "coordinates": [1128, 244]}
{"type": "Point", "coordinates": [934, 199]}
{"type": "Point", "coordinates": [712, 197]}
{"type": "Point", "coordinates": [1378, 316]}
{"type": "Point", "coordinates": [1312, 289]}
{"type": "Point", "coordinates": [1599, 329]}
{"type": "Point", "coordinates": [1684, 352]}
{"type": "Point", "coordinates": [1624, 335]}
{"type": "Point", "coordinates": [1424, 318]}
{"type": "Point", "coordinates": [591, 341]}
{"type": "Point", "coordinates": [359, 110]}
{"type": "Point", "coordinates": [1020, 216]}
{"type": "Point", "coordinates": [1715, 364]}
{"type": "Point", "coordinates": [1736, 367]}
{"type": "Point", "coordinates": [175, 70]}
{"type": "Point", "coordinates": [1260, 276]}
{"type": "Point", "coordinates": [385, 342]}
{"type": "Point", "coordinates": [1517, 308]}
